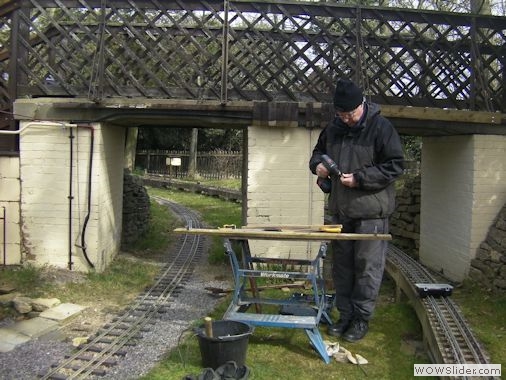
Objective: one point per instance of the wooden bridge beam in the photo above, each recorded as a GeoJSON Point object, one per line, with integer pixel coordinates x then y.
{"type": "Point", "coordinates": [418, 121]}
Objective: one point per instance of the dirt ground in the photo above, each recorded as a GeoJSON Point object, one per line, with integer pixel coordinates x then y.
{"type": "Point", "coordinates": [99, 312]}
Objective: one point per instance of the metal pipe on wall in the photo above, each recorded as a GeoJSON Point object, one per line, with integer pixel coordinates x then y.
{"type": "Point", "coordinates": [5, 236]}
{"type": "Point", "coordinates": [88, 198]}
{"type": "Point", "coordinates": [70, 196]}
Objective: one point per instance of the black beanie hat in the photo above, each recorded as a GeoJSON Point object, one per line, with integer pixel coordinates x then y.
{"type": "Point", "coordinates": [347, 96]}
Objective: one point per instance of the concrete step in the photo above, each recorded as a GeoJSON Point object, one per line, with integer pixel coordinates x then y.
{"type": "Point", "coordinates": [47, 322]}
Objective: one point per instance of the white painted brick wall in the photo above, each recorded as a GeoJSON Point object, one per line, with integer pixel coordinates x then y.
{"type": "Point", "coordinates": [10, 246]}
{"type": "Point", "coordinates": [463, 189]}
{"type": "Point", "coordinates": [111, 195]}
{"type": "Point", "coordinates": [45, 178]}
{"type": "Point", "coordinates": [489, 185]}
{"type": "Point", "coordinates": [281, 189]}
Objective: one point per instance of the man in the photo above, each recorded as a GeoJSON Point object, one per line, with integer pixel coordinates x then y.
{"type": "Point", "coordinates": [368, 152]}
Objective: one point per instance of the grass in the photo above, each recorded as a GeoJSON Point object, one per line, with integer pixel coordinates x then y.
{"type": "Point", "coordinates": [486, 313]}
{"type": "Point", "coordinates": [272, 353]}
{"type": "Point", "coordinates": [286, 353]}
{"type": "Point", "coordinates": [26, 279]}
{"type": "Point", "coordinates": [275, 353]}
{"type": "Point", "coordinates": [215, 212]}
{"type": "Point", "coordinates": [121, 281]}
{"type": "Point", "coordinates": [117, 286]}
{"type": "Point", "coordinates": [158, 236]}
{"type": "Point", "coordinates": [232, 183]}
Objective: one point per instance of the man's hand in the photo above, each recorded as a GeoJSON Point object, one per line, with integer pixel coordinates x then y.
{"type": "Point", "coordinates": [321, 171]}
{"type": "Point", "coordinates": [348, 180]}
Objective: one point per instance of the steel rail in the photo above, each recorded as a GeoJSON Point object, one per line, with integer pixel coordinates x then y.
{"type": "Point", "coordinates": [108, 343]}
{"type": "Point", "coordinates": [449, 337]}
{"type": "Point", "coordinates": [451, 340]}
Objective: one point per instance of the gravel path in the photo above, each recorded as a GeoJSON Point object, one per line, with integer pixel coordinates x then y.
{"type": "Point", "coordinates": [33, 358]}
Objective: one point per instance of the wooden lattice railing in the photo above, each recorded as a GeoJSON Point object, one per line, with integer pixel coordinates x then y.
{"type": "Point", "coordinates": [249, 50]}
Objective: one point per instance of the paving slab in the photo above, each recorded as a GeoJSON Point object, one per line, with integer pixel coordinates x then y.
{"type": "Point", "coordinates": [4, 289]}
{"type": "Point", "coordinates": [41, 304]}
{"type": "Point", "coordinates": [62, 312]}
{"type": "Point", "coordinates": [9, 339]}
{"type": "Point", "coordinates": [6, 299]}
{"type": "Point", "coordinates": [35, 327]}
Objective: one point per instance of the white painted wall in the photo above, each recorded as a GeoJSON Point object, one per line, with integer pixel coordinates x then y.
{"type": "Point", "coordinates": [110, 201]}
{"type": "Point", "coordinates": [10, 241]}
{"type": "Point", "coordinates": [463, 189]}
{"type": "Point", "coordinates": [46, 180]}
{"type": "Point", "coordinates": [280, 188]}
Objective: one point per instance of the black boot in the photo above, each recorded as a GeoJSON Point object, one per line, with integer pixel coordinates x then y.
{"type": "Point", "coordinates": [230, 371]}
{"type": "Point", "coordinates": [337, 329]}
{"type": "Point", "coordinates": [357, 330]}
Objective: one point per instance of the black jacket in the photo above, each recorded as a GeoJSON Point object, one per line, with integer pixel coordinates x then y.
{"type": "Point", "coordinates": [372, 151]}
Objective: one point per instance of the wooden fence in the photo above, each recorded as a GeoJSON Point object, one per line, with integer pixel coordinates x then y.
{"type": "Point", "coordinates": [210, 165]}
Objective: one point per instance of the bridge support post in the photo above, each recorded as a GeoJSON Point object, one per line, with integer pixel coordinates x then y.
{"type": "Point", "coordinates": [45, 174]}
{"type": "Point", "coordinates": [463, 190]}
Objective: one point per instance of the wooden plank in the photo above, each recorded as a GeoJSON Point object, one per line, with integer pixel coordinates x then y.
{"type": "Point", "coordinates": [292, 227]}
{"type": "Point", "coordinates": [275, 114]}
{"type": "Point", "coordinates": [296, 284]}
{"type": "Point", "coordinates": [430, 113]}
{"type": "Point", "coordinates": [250, 233]}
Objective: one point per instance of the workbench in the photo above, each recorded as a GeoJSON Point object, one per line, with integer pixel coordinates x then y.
{"type": "Point", "coordinates": [247, 267]}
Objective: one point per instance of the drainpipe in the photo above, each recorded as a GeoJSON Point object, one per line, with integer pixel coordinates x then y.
{"type": "Point", "coordinates": [88, 200]}
{"type": "Point", "coordinates": [5, 236]}
{"type": "Point", "coordinates": [70, 197]}
{"type": "Point", "coordinates": [38, 123]}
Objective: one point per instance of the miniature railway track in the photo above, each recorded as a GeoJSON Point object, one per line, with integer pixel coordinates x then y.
{"type": "Point", "coordinates": [107, 347]}
{"type": "Point", "coordinates": [450, 340]}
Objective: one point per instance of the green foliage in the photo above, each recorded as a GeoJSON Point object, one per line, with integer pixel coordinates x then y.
{"type": "Point", "coordinates": [275, 353]}
{"type": "Point", "coordinates": [209, 139]}
{"type": "Point", "coordinates": [229, 183]}
{"type": "Point", "coordinates": [124, 273]}
{"type": "Point", "coordinates": [26, 279]}
{"type": "Point", "coordinates": [215, 213]}
{"type": "Point", "coordinates": [412, 147]}
{"type": "Point", "coordinates": [121, 282]}
{"type": "Point", "coordinates": [486, 312]}
{"type": "Point", "coordinates": [159, 236]}
{"type": "Point", "coordinates": [118, 285]}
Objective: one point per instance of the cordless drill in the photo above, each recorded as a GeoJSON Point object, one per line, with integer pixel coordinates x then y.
{"type": "Point", "coordinates": [325, 184]}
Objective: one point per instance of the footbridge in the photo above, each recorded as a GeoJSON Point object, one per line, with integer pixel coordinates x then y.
{"type": "Point", "coordinates": [79, 77]}
{"type": "Point", "coordinates": [141, 62]}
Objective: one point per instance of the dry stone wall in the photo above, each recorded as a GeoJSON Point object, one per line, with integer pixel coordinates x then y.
{"type": "Point", "coordinates": [405, 221]}
{"type": "Point", "coordinates": [136, 209]}
{"type": "Point", "coordinates": [489, 266]}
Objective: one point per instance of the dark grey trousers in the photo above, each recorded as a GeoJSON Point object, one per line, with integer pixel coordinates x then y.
{"type": "Point", "coordinates": [357, 267]}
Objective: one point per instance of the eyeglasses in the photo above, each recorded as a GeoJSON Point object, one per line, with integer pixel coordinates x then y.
{"type": "Point", "coordinates": [350, 114]}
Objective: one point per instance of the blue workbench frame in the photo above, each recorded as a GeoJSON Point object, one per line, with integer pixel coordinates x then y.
{"type": "Point", "coordinates": [246, 272]}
